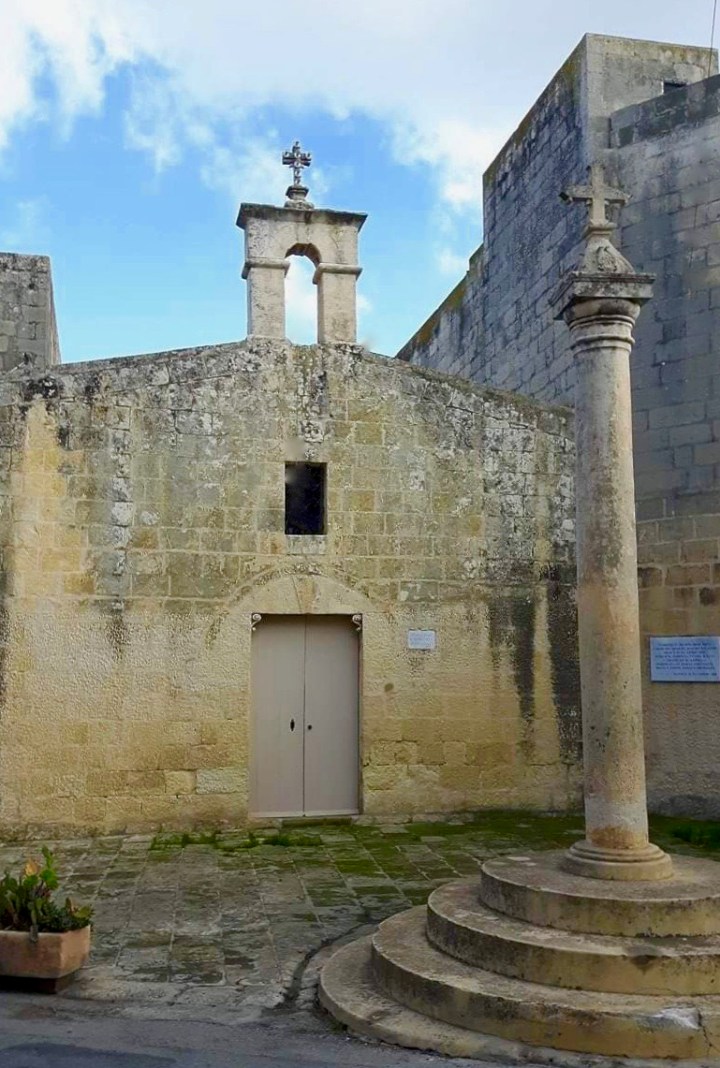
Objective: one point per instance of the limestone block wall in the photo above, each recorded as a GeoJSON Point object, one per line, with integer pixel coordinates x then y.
{"type": "Point", "coordinates": [668, 152]}
{"type": "Point", "coordinates": [141, 521]}
{"type": "Point", "coordinates": [28, 331]}
{"type": "Point", "coordinates": [530, 236]}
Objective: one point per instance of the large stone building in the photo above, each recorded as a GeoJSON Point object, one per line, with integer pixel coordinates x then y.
{"type": "Point", "coordinates": [200, 546]}
{"type": "Point", "coordinates": [651, 114]}
{"type": "Point", "coordinates": [261, 579]}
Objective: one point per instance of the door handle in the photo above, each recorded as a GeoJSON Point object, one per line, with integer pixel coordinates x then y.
{"type": "Point", "coordinates": [292, 724]}
{"type": "Point", "coordinates": [309, 726]}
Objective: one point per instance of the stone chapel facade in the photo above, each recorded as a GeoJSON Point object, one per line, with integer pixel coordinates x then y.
{"type": "Point", "coordinates": [259, 580]}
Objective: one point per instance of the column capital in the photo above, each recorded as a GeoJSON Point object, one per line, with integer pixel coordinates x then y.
{"type": "Point", "coordinates": [335, 268]}
{"type": "Point", "coordinates": [603, 279]}
{"type": "Point", "coordinates": [582, 295]}
{"type": "Point", "coordinates": [265, 264]}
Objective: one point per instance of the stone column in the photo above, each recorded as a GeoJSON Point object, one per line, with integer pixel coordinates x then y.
{"type": "Point", "coordinates": [337, 301]}
{"type": "Point", "coordinates": [265, 297]}
{"type": "Point", "coordinates": [600, 303]}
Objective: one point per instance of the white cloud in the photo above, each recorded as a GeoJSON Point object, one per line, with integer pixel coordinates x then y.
{"type": "Point", "coordinates": [365, 311]}
{"type": "Point", "coordinates": [74, 44]}
{"type": "Point", "coordinates": [447, 77]}
{"type": "Point", "coordinates": [27, 229]}
{"type": "Point", "coordinates": [156, 121]}
{"type": "Point", "coordinates": [458, 150]}
{"type": "Point", "coordinates": [451, 263]}
{"type": "Point", "coordinates": [201, 72]}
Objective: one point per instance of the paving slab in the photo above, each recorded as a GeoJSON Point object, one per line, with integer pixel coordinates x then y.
{"type": "Point", "coordinates": [233, 925]}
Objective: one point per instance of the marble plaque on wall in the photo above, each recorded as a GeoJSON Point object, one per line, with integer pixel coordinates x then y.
{"type": "Point", "coordinates": [690, 659]}
{"type": "Point", "coordinates": [421, 639]}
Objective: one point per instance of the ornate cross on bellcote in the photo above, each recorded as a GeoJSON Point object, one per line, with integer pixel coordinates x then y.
{"type": "Point", "coordinates": [601, 256]}
{"type": "Point", "coordinates": [297, 192]}
{"type": "Point", "coordinates": [297, 159]}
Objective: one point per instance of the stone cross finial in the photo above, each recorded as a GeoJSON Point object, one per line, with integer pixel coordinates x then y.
{"type": "Point", "coordinates": [297, 192]}
{"type": "Point", "coordinates": [597, 195]}
{"type": "Point", "coordinates": [297, 159]}
{"type": "Point", "coordinates": [600, 255]}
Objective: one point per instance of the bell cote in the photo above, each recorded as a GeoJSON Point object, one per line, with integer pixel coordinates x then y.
{"type": "Point", "coordinates": [328, 238]}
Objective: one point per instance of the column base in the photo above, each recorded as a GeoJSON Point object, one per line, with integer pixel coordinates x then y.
{"type": "Point", "coordinates": [626, 865]}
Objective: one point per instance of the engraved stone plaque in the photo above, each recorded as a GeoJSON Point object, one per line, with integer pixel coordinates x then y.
{"type": "Point", "coordinates": [692, 659]}
{"type": "Point", "coordinates": [421, 639]}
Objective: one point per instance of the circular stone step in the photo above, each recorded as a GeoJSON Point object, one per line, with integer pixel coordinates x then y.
{"type": "Point", "coordinates": [347, 991]}
{"type": "Point", "coordinates": [460, 925]}
{"type": "Point", "coordinates": [411, 971]}
{"type": "Point", "coordinates": [535, 889]}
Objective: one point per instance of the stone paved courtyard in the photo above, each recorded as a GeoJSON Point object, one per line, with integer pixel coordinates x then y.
{"type": "Point", "coordinates": [233, 924]}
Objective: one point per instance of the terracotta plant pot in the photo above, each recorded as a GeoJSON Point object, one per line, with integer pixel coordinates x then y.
{"type": "Point", "coordinates": [47, 964]}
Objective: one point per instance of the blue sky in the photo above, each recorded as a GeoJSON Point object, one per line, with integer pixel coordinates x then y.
{"type": "Point", "coordinates": [131, 130]}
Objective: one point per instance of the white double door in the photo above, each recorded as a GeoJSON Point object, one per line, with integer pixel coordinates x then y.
{"type": "Point", "coordinates": [305, 759]}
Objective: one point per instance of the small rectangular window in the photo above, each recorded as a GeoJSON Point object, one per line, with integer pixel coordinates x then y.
{"type": "Point", "coordinates": [304, 498]}
{"type": "Point", "coordinates": [668, 87]}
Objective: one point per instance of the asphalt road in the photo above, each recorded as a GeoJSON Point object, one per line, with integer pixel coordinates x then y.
{"type": "Point", "coordinates": [39, 1033]}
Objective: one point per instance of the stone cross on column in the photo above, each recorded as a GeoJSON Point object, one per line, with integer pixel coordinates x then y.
{"type": "Point", "coordinates": [600, 303]}
{"type": "Point", "coordinates": [600, 255]}
{"type": "Point", "coordinates": [597, 195]}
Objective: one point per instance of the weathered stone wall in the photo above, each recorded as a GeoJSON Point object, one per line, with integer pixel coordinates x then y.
{"type": "Point", "coordinates": [662, 148]}
{"type": "Point", "coordinates": [668, 153]}
{"type": "Point", "coordinates": [142, 524]}
{"type": "Point", "coordinates": [530, 236]}
{"type": "Point", "coordinates": [28, 332]}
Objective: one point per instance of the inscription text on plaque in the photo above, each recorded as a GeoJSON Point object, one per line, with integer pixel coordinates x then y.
{"type": "Point", "coordinates": [691, 659]}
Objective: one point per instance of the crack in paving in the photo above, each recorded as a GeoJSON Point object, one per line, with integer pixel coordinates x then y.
{"type": "Point", "coordinates": [306, 974]}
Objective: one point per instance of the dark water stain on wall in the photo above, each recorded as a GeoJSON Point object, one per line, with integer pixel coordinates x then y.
{"type": "Point", "coordinates": [522, 612]}
{"type": "Point", "coordinates": [564, 662]}
{"type": "Point", "coordinates": [116, 628]}
{"type": "Point", "coordinates": [498, 627]}
{"type": "Point", "coordinates": [511, 627]}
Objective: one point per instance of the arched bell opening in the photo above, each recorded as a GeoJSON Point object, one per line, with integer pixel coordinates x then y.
{"type": "Point", "coordinates": [301, 294]}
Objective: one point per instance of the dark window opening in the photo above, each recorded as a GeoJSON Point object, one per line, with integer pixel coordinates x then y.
{"type": "Point", "coordinates": [668, 87]}
{"type": "Point", "coordinates": [305, 498]}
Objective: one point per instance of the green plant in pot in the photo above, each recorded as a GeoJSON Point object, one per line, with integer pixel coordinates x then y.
{"type": "Point", "coordinates": [43, 941]}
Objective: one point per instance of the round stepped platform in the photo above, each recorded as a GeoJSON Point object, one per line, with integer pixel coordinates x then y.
{"type": "Point", "coordinates": [347, 991]}
{"type": "Point", "coordinates": [535, 889]}
{"type": "Point", "coordinates": [417, 975]}
{"type": "Point", "coordinates": [459, 925]}
{"type": "Point", "coordinates": [530, 956]}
